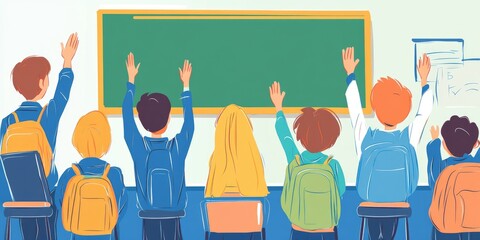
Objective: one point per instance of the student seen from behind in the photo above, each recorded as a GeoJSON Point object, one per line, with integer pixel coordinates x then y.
{"type": "Point", "coordinates": [388, 167]}
{"type": "Point", "coordinates": [314, 181]}
{"type": "Point", "coordinates": [33, 127]}
{"type": "Point", "coordinates": [79, 217]}
{"type": "Point", "coordinates": [159, 162]}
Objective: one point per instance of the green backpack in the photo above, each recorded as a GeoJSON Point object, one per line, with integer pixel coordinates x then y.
{"type": "Point", "coordinates": [310, 197]}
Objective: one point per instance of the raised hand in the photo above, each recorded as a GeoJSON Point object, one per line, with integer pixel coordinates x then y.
{"type": "Point", "coordinates": [69, 50]}
{"type": "Point", "coordinates": [276, 95]}
{"type": "Point", "coordinates": [435, 132]}
{"type": "Point", "coordinates": [131, 69]}
{"type": "Point", "coordinates": [185, 73]}
{"type": "Point", "coordinates": [424, 68]}
{"type": "Point", "coordinates": [349, 62]}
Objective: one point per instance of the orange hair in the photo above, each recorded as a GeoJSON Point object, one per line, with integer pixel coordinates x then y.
{"type": "Point", "coordinates": [391, 101]}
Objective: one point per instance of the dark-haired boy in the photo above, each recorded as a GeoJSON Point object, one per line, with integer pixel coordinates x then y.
{"type": "Point", "coordinates": [159, 162]}
{"type": "Point", "coordinates": [460, 137]}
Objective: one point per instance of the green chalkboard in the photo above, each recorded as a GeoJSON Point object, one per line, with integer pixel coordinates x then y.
{"type": "Point", "coordinates": [235, 57]}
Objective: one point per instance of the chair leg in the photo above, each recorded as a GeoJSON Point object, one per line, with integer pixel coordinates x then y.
{"type": "Point", "coordinates": [407, 235]}
{"type": "Point", "coordinates": [7, 229]}
{"type": "Point", "coordinates": [49, 233]}
{"type": "Point", "coordinates": [362, 227]}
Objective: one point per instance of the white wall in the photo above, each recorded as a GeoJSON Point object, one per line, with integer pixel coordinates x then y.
{"type": "Point", "coordinates": [38, 27]}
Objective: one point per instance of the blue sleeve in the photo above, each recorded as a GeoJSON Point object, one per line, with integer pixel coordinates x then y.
{"type": "Point", "coordinates": [116, 178]}
{"type": "Point", "coordinates": [350, 78]}
{"type": "Point", "coordinates": [184, 138]}
{"type": "Point", "coordinates": [339, 177]}
{"type": "Point", "coordinates": [435, 163]}
{"type": "Point", "coordinates": [425, 88]}
{"type": "Point", "coordinates": [58, 200]}
{"type": "Point", "coordinates": [3, 130]}
{"type": "Point", "coordinates": [285, 137]}
{"type": "Point", "coordinates": [130, 131]}
{"type": "Point", "coordinates": [56, 106]}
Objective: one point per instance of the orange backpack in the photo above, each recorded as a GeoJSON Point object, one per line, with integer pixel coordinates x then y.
{"type": "Point", "coordinates": [89, 205]}
{"type": "Point", "coordinates": [28, 136]}
{"type": "Point", "coordinates": [455, 204]}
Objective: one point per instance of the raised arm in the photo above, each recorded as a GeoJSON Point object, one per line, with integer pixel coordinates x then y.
{"type": "Point", "coordinates": [281, 126]}
{"type": "Point", "coordinates": [353, 99]}
{"type": "Point", "coordinates": [184, 138]}
{"type": "Point", "coordinates": [435, 162]}
{"type": "Point", "coordinates": [415, 129]}
{"type": "Point", "coordinates": [57, 105]}
{"type": "Point", "coordinates": [130, 131]}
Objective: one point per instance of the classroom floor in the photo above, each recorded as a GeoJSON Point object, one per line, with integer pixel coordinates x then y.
{"type": "Point", "coordinates": [278, 226]}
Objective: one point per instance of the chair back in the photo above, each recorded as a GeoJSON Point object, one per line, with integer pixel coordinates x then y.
{"type": "Point", "coordinates": [25, 177]}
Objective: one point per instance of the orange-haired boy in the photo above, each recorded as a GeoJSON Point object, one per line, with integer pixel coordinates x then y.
{"type": "Point", "coordinates": [388, 168]}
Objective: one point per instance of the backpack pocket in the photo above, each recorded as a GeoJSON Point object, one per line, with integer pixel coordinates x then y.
{"type": "Point", "coordinates": [468, 210]}
{"type": "Point", "coordinates": [95, 217]}
{"type": "Point", "coordinates": [318, 210]}
{"type": "Point", "coordinates": [160, 188]}
{"type": "Point", "coordinates": [388, 180]}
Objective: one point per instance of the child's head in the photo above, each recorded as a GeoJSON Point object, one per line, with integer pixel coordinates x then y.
{"type": "Point", "coordinates": [30, 77]}
{"type": "Point", "coordinates": [154, 112]}
{"type": "Point", "coordinates": [391, 101]}
{"type": "Point", "coordinates": [460, 135]}
{"type": "Point", "coordinates": [317, 130]}
{"type": "Point", "coordinates": [92, 136]}
{"type": "Point", "coordinates": [236, 161]}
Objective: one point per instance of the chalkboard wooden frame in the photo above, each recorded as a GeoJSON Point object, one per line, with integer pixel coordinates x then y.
{"type": "Point", "coordinates": [240, 14]}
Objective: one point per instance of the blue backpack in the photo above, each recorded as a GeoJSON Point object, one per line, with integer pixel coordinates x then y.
{"type": "Point", "coordinates": [161, 187]}
{"type": "Point", "coordinates": [388, 171]}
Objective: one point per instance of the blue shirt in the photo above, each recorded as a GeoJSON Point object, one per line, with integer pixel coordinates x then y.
{"type": "Point", "coordinates": [436, 164]}
{"type": "Point", "coordinates": [90, 166]}
{"type": "Point", "coordinates": [140, 148]}
{"type": "Point", "coordinates": [291, 150]}
{"type": "Point", "coordinates": [29, 110]}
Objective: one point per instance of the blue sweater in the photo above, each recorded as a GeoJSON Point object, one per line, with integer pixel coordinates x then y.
{"type": "Point", "coordinates": [50, 119]}
{"type": "Point", "coordinates": [141, 147]}
{"type": "Point", "coordinates": [90, 166]}
{"type": "Point", "coordinates": [436, 164]}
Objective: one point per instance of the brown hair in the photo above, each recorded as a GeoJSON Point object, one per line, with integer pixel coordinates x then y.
{"type": "Point", "coordinates": [27, 74]}
{"type": "Point", "coordinates": [391, 101]}
{"type": "Point", "coordinates": [317, 130]}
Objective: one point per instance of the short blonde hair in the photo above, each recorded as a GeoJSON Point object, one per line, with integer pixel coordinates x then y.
{"type": "Point", "coordinates": [92, 136]}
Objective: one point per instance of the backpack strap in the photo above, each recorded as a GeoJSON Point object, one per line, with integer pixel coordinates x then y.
{"type": "Point", "coordinates": [41, 113]}
{"type": "Point", "coordinates": [297, 159]}
{"type": "Point", "coordinates": [105, 172]}
{"type": "Point", "coordinates": [16, 117]}
{"type": "Point", "coordinates": [76, 170]}
{"type": "Point", "coordinates": [328, 160]}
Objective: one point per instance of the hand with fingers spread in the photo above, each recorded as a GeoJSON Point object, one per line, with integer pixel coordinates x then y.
{"type": "Point", "coordinates": [276, 95]}
{"type": "Point", "coordinates": [435, 132]}
{"type": "Point", "coordinates": [69, 50]}
{"type": "Point", "coordinates": [185, 73]}
{"type": "Point", "coordinates": [349, 61]}
{"type": "Point", "coordinates": [423, 68]}
{"type": "Point", "coordinates": [132, 70]}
